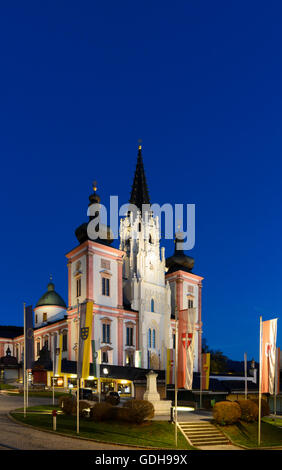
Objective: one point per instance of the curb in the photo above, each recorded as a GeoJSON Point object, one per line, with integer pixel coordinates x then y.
{"type": "Point", "coordinates": [135, 447]}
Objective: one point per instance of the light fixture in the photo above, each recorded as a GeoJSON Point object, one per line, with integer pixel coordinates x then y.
{"type": "Point", "coordinates": [105, 371]}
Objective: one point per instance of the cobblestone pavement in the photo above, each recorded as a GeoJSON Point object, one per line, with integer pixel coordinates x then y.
{"type": "Point", "coordinates": [14, 436]}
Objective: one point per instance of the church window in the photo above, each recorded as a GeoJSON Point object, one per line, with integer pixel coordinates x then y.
{"type": "Point", "coordinates": [78, 287]}
{"type": "Point", "coordinates": [105, 286]}
{"type": "Point", "coordinates": [190, 303]}
{"type": "Point", "coordinates": [129, 336]}
{"type": "Point", "coordinates": [44, 316]}
{"type": "Point", "coordinates": [36, 318]}
{"type": "Point", "coordinates": [37, 348]}
{"type": "Point", "coordinates": [105, 357]}
{"type": "Point", "coordinates": [65, 341]}
{"type": "Point", "coordinates": [106, 333]}
{"type": "Point", "coordinates": [149, 338]}
{"type": "Point", "coordinates": [173, 341]}
{"type": "Point", "coordinates": [154, 339]}
{"type": "Point", "coordinates": [152, 305]}
{"type": "Point", "coordinates": [46, 342]}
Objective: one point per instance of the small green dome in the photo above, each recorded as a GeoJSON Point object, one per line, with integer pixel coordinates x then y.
{"type": "Point", "coordinates": [51, 297]}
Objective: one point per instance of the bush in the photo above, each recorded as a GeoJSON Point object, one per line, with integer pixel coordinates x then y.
{"type": "Point", "coordinates": [84, 409]}
{"type": "Point", "coordinates": [68, 404]}
{"type": "Point", "coordinates": [226, 412]}
{"type": "Point", "coordinates": [249, 410]}
{"type": "Point", "coordinates": [124, 414]}
{"type": "Point", "coordinates": [265, 411]}
{"type": "Point", "coordinates": [140, 410]}
{"type": "Point", "coordinates": [101, 412]}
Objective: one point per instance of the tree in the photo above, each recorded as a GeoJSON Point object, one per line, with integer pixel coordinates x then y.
{"type": "Point", "coordinates": [218, 360]}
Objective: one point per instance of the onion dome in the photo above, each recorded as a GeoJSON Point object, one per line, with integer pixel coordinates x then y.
{"type": "Point", "coordinates": [51, 297]}
{"type": "Point", "coordinates": [179, 261]}
{"type": "Point", "coordinates": [106, 235]}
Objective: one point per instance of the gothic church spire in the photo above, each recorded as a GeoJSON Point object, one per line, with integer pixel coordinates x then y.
{"type": "Point", "coordinates": [139, 191]}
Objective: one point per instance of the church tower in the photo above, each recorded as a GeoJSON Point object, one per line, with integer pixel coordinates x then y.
{"type": "Point", "coordinates": [144, 285]}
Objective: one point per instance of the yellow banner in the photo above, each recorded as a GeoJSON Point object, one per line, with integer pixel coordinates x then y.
{"type": "Point", "coordinates": [87, 341]}
{"type": "Point", "coordinates": [206, 359]}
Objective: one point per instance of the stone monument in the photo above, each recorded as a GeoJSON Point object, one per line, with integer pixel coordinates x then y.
{"type": "Point", "coordinates": [161, 407]}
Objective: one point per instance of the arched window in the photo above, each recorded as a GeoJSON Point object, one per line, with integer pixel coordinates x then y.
{"type": "Point", "coordinates": [152, 305]}
{"type": "Point", "coordinates": [149, 338]}
{"type": "Point", "coordinates": [154, 339]}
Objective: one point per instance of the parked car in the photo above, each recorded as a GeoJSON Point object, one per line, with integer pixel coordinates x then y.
{"type": "Point", "coordinates": [85, 394]}
{"type": "Point", "coordinates": [112, 398]}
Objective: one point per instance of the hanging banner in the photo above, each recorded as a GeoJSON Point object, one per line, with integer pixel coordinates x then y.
{"type": "Point", "coordinates": [206, 359]}
{"type": "Point", "coordinates": [268, 354]}
{"type": "Point", "coordinates": [170, 366]}
{"type": "Point", "coordinates": [86, 314]}
{"type": "Point", "coordinates": [186, 341]}
{"type": "Point", "coordinates": [29, 337]}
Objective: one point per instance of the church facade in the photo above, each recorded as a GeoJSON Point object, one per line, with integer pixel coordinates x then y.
{"type": "Point", "coordinates": [135, 290]}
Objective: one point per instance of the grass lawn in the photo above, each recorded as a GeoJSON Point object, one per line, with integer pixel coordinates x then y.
{"type": "Point", "coordinates": [152, 434]}
{"type": "Point", "coordinates": [7, 387]}
{"type": "Point", "coordinates": [277, 422]}
{"type": "Point", "coordinates": [43, 393]}
{"type": "Point", "coordinates": [246, 434]}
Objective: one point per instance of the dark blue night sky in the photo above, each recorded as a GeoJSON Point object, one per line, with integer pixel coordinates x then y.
{"type": "Point", "coordinates": [200, 83]}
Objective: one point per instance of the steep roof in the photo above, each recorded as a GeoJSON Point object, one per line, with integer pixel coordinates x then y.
{"type": "Point", "coordinates": [139, 191]}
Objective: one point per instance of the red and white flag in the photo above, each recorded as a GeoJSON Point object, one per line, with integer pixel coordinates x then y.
{"type": "Point", "coordinates": [186, 348]}
{"type": "Point", "coordinates": [268, 355]}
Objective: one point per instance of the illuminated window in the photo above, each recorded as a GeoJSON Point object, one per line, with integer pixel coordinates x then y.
{"type": "Point", "coordinates": [44, 316]}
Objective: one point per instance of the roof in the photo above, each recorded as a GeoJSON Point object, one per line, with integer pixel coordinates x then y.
{"type": "Point", "coordinates": [11, 331]}
{"type": "Point", "coordinates": [51, 297]}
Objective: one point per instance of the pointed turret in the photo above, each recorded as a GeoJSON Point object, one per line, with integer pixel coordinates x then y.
{"type": "Point", "coordinates": [139, 192]}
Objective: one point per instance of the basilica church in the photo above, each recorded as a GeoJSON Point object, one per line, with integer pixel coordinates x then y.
{"type": "Point", "coordinates": [136, 292]}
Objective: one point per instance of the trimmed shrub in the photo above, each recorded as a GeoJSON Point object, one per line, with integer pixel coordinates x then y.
{"type": "Point", "coordinates": [140, 410]}
{"type": "Point", "coordinates": [249, 410]}
{"type": "Point", "coordinates": [84, 408]}
{"type": "Point", "coordinates": [68, 405]}
{"type": "Point", "coordinates": [101, 412]}
{"type": "Point", "coordinates": [265, 411]}
{"type": "Point", "coordinates": [226, 412]}
{"type": "Point", "coordinates": [124, 414]}
{"type": "Point", "coordinates": [62, 399]}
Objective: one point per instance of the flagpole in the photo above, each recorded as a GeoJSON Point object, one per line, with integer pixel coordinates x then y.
{"type": "Point", "coordinates": [201, 368]}
{"type": "Point", "coordinates": [175, 374]}
{"type": "Point", "coordinates": [246, 385]}
{"type": "Point", "coordinates": [276, 383]}
{"type": "Point", "coordinates": [77, 378]}
{"type": "Point", "coordinates": [260, 378]}
{"type": "Point", "coordinates": [24, 368]}
{"type": "Point", "coordinates": [54, 352]}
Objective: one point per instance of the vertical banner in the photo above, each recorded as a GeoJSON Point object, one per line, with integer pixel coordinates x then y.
{"type": "Point", "coordinates": [58, 345]}
{"type": "Point", "coordinates": [206, 360]}
{"type": "Point", "coordinates": [269, 333]}
{"type": "Point", "coordinates": [85, 335]}
{"type": "Point", "coordinates": [29, 337]}
{"type": "Point", "coordinates": [186, 341]}
{"type": "Point", "coordinates": [170, 366]}
{"type": "Point", "coordinates": [94, 358]}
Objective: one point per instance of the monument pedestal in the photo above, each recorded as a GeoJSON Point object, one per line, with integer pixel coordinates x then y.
{"type": "Point", "coordinates": [161, 407]}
